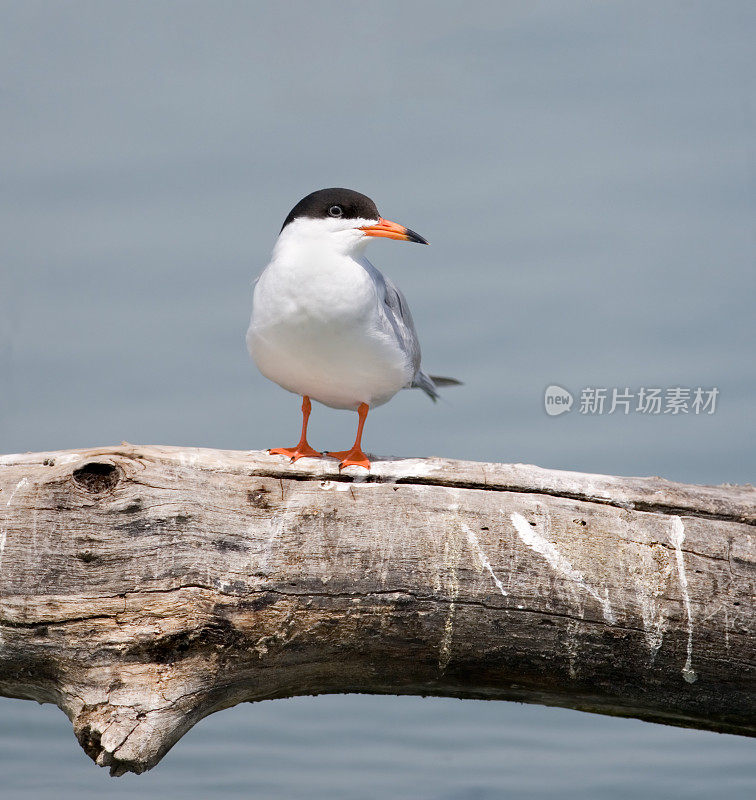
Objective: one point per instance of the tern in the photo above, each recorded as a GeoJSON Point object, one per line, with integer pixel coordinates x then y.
{"type": "Point", "coordinates": [329, 326]}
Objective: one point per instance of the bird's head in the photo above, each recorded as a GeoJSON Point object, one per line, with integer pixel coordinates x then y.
{"type": "Point", "coordinates": [341, 219]}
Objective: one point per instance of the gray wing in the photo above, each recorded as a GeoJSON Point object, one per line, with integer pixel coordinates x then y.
{"type": "Point", "coordinates": [399, 318]}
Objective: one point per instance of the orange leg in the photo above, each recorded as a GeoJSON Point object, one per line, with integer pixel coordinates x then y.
{"type": "Point", "coordinates": [354, 457]}
{"type": "Point", "coordinates": [303, 449]}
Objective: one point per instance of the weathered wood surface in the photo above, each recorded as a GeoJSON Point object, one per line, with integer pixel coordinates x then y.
{"type": "Point", "coordinates": [142, 588]}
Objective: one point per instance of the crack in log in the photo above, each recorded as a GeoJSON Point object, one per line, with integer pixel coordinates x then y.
{"type": "Point", "coordinates": [419, 598]}
{"type": "Point", "coordinates": [8, 623]}
{"type": "Point", "coordinates": [417, 480]}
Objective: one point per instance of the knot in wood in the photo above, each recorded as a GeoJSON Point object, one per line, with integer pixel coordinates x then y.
{"type": "Point", "coordinates": [97, 477]}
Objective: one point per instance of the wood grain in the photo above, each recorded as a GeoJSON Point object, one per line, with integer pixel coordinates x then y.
{"type": "Point", "coordinates": [144, 587]}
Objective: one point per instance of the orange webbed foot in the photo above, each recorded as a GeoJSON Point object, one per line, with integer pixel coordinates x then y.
{"type": "Point", "coordinates": [350, 458]}
{"type": "Point", "coordinates": [302, 450]}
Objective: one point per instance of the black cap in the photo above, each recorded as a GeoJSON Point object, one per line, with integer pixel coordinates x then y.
{"type": "Point", "coordinates": [334, 203]}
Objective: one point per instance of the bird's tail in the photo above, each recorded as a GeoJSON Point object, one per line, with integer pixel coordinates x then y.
{"type": "Point", "coordinates": [439, 380]}
{"type": "Point", "coordinates": [428, 383]}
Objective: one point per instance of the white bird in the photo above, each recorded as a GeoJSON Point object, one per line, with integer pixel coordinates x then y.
{"type": "Point", "coordinates": [326, 324]}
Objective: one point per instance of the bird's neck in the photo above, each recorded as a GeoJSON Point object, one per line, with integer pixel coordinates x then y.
{"type": "Point", "coordinates": [299, 241]}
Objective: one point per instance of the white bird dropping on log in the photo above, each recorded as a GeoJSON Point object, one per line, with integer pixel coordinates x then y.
{"type": "Point", "coordinates": [326, 324]}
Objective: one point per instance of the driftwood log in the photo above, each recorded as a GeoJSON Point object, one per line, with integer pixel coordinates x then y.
{"type": "Point", "coordinates": [142, 588]}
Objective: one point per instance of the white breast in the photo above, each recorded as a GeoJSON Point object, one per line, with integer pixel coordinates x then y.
{"type": "Point", "coordinates": [317, 328]}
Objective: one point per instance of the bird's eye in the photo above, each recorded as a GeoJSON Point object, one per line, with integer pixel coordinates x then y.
{"type": "Point", "coordinates": [335, 211]}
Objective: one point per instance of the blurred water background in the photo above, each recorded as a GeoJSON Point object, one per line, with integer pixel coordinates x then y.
{"type": "Point", "coordinates": [585, 174]}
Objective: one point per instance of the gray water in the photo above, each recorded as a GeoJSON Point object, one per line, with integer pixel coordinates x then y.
{"type": "Point", "coordinates": [585, 174]}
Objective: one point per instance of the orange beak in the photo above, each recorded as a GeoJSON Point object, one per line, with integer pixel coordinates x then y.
{"type": "Point", "coordinates": [392, 230]}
